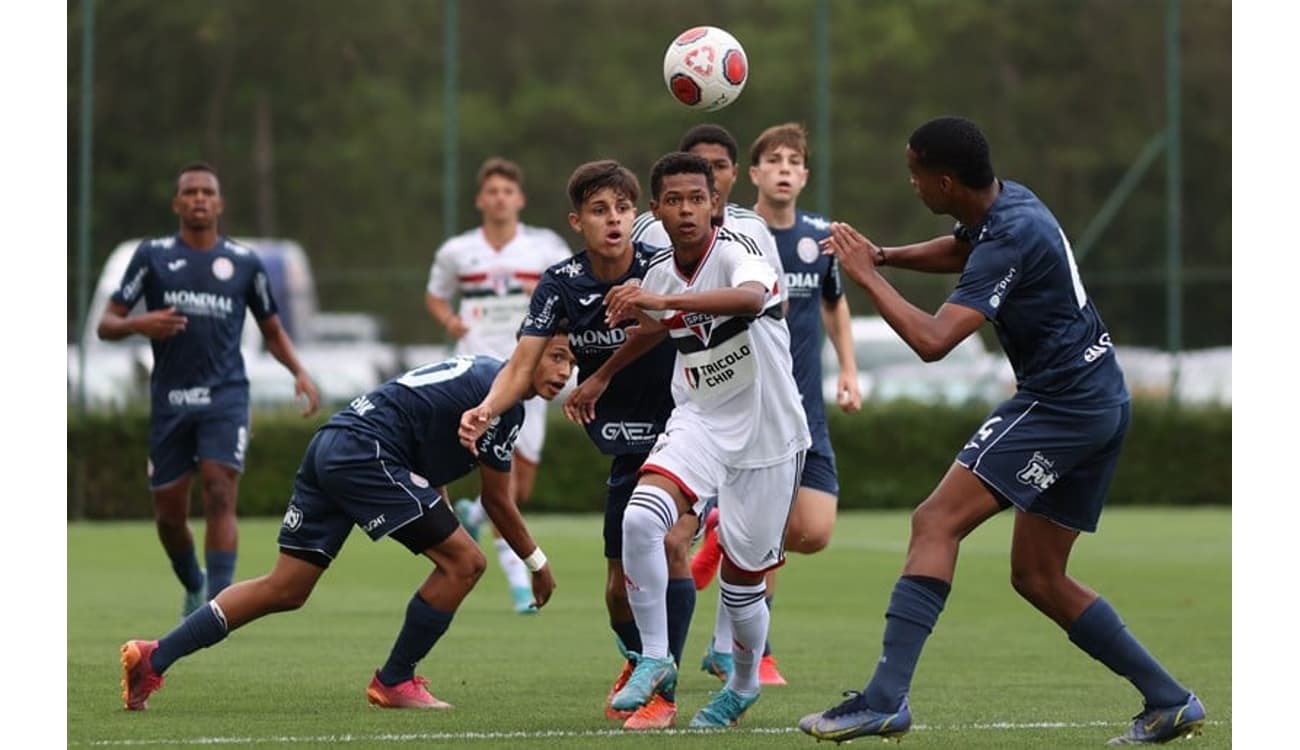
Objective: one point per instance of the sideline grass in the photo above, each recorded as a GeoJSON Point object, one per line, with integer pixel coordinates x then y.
{"type": "Point", "coordinates": [995, 674]}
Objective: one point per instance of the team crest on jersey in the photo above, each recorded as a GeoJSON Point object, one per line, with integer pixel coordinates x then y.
{"type": "Point", "coordinates": [700, 324]}
{"type": "Point", "coordinates": [223, 269]}
{"type": "Point", "coordinates": [807, 250]}
{"type": "Point", "coordinates": [572, 269]}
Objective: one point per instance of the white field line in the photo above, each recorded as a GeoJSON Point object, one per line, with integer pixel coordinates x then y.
{"type": "Point", "coordinates": [997, 726]}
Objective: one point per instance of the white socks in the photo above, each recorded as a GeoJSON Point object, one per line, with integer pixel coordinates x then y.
{"type": "Point", "coordinates": [515, 570]}
{"type": "Point", "coordinates": [650, 513]}
{"type": "Point", "coordinates": [749, 621]}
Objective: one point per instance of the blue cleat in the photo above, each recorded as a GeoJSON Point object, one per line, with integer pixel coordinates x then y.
{"type": "Point", "coordinates": [195, 599]}
{"type": "Point", "coordinates": [1164, 724]}
{"type": "Point", "coordinates": [522, 597]}
{"type": "Point", "coordinates": [724, 710]}
{"type": "Point", "coordinates": [464, 507]}
{"type": "Point", "coordinates": [718, 664]}
{"type": "Point", "coordinates": [649, 677]}
{"type": "Point", "coordinates": [853, 718]}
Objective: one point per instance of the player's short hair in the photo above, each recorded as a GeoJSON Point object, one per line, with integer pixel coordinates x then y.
{"type": "Point", "coordinates": [710, 133]}
{"type": "Point", "coordinates": [791, 135]}
{"type": "Point", "coordinates": [954, 144]}
{"type": "Point", "coordinates": [597, 175]}
{"type": "Point", "coordinates": [679, 162]}
{"type": "Point", "coordinates": [197, 166]}
{"type": "Point", "coordinates": [501, 167]}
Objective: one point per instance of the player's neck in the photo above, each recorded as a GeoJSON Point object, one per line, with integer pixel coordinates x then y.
{"type": "Point", "coordinates": [977, 206]}
{"type": "Point", "coordinates": [498, 235]}
{"type": "Point", "coordinates": [609, 269]}
{"type": "Point", "coordinates": [776, 216]}
{"type": "Point", "coordinates": [687, 257]}
{"type": "Point", "coordinates": [200, 239]}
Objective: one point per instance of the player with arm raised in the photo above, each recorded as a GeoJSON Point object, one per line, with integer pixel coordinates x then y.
{"type": "Point", "coordinates": [378, 465]}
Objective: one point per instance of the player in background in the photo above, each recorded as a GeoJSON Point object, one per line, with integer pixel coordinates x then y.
{"type": "Point", "coordinates": [1050, 450]}
{"type": "Point", "coordinates": [632, 413]}
{"type": "Point", "coordinates": [737, 432]}
{"type": "Point", "coordinates": [778, 169]}
{"type": "Point", "coordinates": [378, 464]}
{"type": "Point", "coordinates": [493, 269]}
{"type": "Point", "coordinates": [196, 285]}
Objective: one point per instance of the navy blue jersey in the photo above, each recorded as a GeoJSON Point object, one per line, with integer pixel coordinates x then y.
{"type": "Point", "coordinates": [202, 365]}
{"type": "Point", "coordinates": [415, 416]}
{"type": "Point", "coordinates": [632, 411]}
{"type": "Point", "coordinates": [811, 279]}
{"type": "Point", "coordinates": [1022, 276]}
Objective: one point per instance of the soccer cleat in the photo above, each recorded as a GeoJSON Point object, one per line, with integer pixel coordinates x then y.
{"type": "Point", "coordinates": [523, 600]}
{"type": "Point", "coordinates": [139, 681]}
{"type": "Point", "coordinates": [464, 507]}
{"type": "Point", "coordinates": [658, 713]}
{"type": "Point", "coordinates": [704, 565]}
{"type": "Point", "coordinates": [649, 677]}
{"type": "Point", "coordinates": [1164, 724]}
{"type": "Point", "coordinates": [720, 665]}
{"type": "Point", "coordinates": [409, 694]}
{"type": "Point", "coordinates": [853, 718]}
{"type": "Point", "coordinates": [724, 710]}
{"type": "Point", "coordinates": [768, 674]}
{"type": "Point", "coordinates": [612, 713]}
{"type": "Point", "coordinates": [195, 599]}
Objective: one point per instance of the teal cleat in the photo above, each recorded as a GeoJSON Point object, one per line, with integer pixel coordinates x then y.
{"type": "Point", "coordinates": [718, 664]}
{"type": "Point", "coordinates": [853, 718]}
{"type": "Point", "coordinates": [464, 507]}
{"type": "Point", "coordinates": [1155, 725]}
{"type": "Point", "coordinates": [649, 677]}
{"type": "Point", "coordinates": [195, 599]}
{"type": "Point", "coordinates": [724, 710]}
{"type": "Point", "coordinates": [523, 600]}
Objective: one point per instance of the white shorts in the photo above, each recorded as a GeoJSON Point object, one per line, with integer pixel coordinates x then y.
{"type": "Point", "coordinates": [532, 434]}
{"type": "Point", "coordinates": [753, 504]}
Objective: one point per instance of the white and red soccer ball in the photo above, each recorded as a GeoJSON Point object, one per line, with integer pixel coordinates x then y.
{"type": "Point", "coordinates": [705, 68]}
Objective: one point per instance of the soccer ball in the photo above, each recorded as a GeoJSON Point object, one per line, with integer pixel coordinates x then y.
{"type": "Point", "coordinates": [705, 68]}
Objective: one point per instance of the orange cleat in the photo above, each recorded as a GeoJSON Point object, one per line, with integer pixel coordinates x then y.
{"type": "Point", "coordinates": [658, 713]}
{"type": "Point", "coordinates": [611, 713]}
{"type": "Point", "coordinates": [704, 565]}
{"type": "Point", "coordinates": [139, 681]}
{"type": "Point", "coordinates": [768, 674]}
{"type": "Point", "coordinates": [409, 694]}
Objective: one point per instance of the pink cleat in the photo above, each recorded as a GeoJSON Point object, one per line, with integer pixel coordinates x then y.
{"type": "Point", "coordinates": [139, 681]}
{"type": "Point", "coordinates": [409, 694]}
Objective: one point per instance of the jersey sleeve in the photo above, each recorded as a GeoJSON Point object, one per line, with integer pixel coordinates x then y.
{"type": "Point", "coordinates": [657, 280]}
{"type": "Point", "coordinates": [545, 309]}
{"type": "Point", "coordinates": [497, 446]}
{"type": "Point", "coordinates": [131, 288]}
{"type": "Point", "coordinates": [991, 275]}
{"type": "Point", "coordinates": [745, 264]}
{"type": "Point", "coordinates": [443, 274]}
{"type": "Point", "coordinates": [261, 301]}
{"type": "Point", "coordinates": [557, 249]}
{"type": "Point", "coordinates": [650, 231]}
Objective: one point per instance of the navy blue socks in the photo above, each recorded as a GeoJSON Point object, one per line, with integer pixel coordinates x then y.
{"type": "Point", "coordinates": [1102, 635]}
{"type": "Point", "coordinates": [628, 635]}
{"type": "Point", "coordinates": [423, 627]}
{"type": "Point", "coordinates": [221, 570]}
{"type": "Point", "coordinates": [204, 627]}
{"type": "Point", "coordinates": [186, 566]}
{"type": "Point", "coordinates": [680, 605]}
{"type": "Point", "coordinates": [913, 610]}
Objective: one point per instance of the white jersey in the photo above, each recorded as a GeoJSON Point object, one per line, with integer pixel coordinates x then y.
{"type": "Point", "coordinates": [494, 286]}
{"type": "Point", "coordinates": [651, 231]}
{"type": "Point", "coordinates": [733, 373]}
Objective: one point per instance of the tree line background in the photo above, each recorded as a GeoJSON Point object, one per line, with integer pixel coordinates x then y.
{"type": "Point", "coordinates": [325, 120]}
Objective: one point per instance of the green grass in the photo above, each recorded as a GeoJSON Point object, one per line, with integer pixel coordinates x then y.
{"type": "Point", "coordinates": [995, 674]}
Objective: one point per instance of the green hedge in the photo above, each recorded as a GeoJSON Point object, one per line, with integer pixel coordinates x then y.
{"type": "Point", "coordinates": [889, 455]}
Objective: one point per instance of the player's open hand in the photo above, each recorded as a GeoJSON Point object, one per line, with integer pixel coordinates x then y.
{"type": "Point", "coordinates": [580, 406]}
{"type": "Point", "coordinates": [624, 301]}
{"type": "Point", "coordinates": [473, 423]}
{"type": "Point", "coordinates": [543, 586]}
{"type": "Point", "coordinates": [305, 389]}
{"type": "Point", "coordinates": [857, 255]}
{"type": "Point", "coordinates": [160, 324]}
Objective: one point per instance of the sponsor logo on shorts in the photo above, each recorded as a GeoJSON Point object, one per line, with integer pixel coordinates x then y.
{"type": "Point", "coordinates": [292, 518]}
{"type": "Point", "coordinates": [419, 481]}
{"type": "Point", "coordinates": [198, 396]}
{"type": "Point", "coordinates": [1038, 472]}
{"type": "Point", "coordinates": [1095, 351]}
{"type": "Point", "coordinates": [374, 523]}
{"type": "Point", "coordinates": [632, 432]}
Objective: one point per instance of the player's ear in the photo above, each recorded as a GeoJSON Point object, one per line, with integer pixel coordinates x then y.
{"type": "Point", "coordinates": [654, 208]}
{"type": "Point", "coordinates": [575, 222]}
{"type": "Point", "coordinates": [753, 175]}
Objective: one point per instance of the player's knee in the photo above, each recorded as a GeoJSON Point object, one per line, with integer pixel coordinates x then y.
{"type": "Point", "coordinates": [928, 521]}
{"type": "Point", "coordinates": [1032, 584]}
{"type": "Point", "coordinates": [218, 495]}
{"type": "Point", "coordinates": [468, 568]}
{"type": "Point", "coordinates": [808, 541]}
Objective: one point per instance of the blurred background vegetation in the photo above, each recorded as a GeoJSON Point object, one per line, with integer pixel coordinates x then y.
{"type": "Point", "coordinates": [326, 121]}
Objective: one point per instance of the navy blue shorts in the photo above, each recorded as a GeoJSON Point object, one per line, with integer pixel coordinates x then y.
{"type": "Point", "coordinates": [347, 479]}
{"type": "Point", "coordinates": [624, 472]}
{"type": "Point", "coordinates": [179, 440]}
{"type": "Point", "coordinates": [819, 471]}
{"type": "Point", "coordinates": [1048, 460]}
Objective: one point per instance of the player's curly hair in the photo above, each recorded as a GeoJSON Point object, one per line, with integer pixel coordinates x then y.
{"type": "Point", "coordinates": [710, 133]}
{"type": "Point", "coordinates": [597, 175]}
{"type": "Point", "coordinates": [678, 162]}
{"type": "Point", "coordinates": [956, 145]}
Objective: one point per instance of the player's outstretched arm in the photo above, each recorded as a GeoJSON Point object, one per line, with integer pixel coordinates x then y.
{"type": "Point", "coordinates": [440, 310]}
{"type": "Point", "coordinates": [505, 515]}
{"type": "Point", "coordinates": [508, 388]}
{"type": "Point", "coordinates": [945, 254]}
{"type": "Point", "coordinates": [839, 328]}
{"type": "Point", "coordinates": [278, 343]}
{"type": "Point", "coordinates": [117, 323]}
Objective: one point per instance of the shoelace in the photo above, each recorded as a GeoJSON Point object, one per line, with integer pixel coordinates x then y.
{"type": "Point", "coordinates": [856, 702]}
{"type": "Point", "coordinates": [730, 700]}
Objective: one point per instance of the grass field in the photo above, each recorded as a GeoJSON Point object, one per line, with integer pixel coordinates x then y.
{"type": "Point", "coordinates": [995, 674]}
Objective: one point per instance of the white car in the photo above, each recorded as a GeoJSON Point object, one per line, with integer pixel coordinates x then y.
{"type": "Point", "coordinates": [888, 369]}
